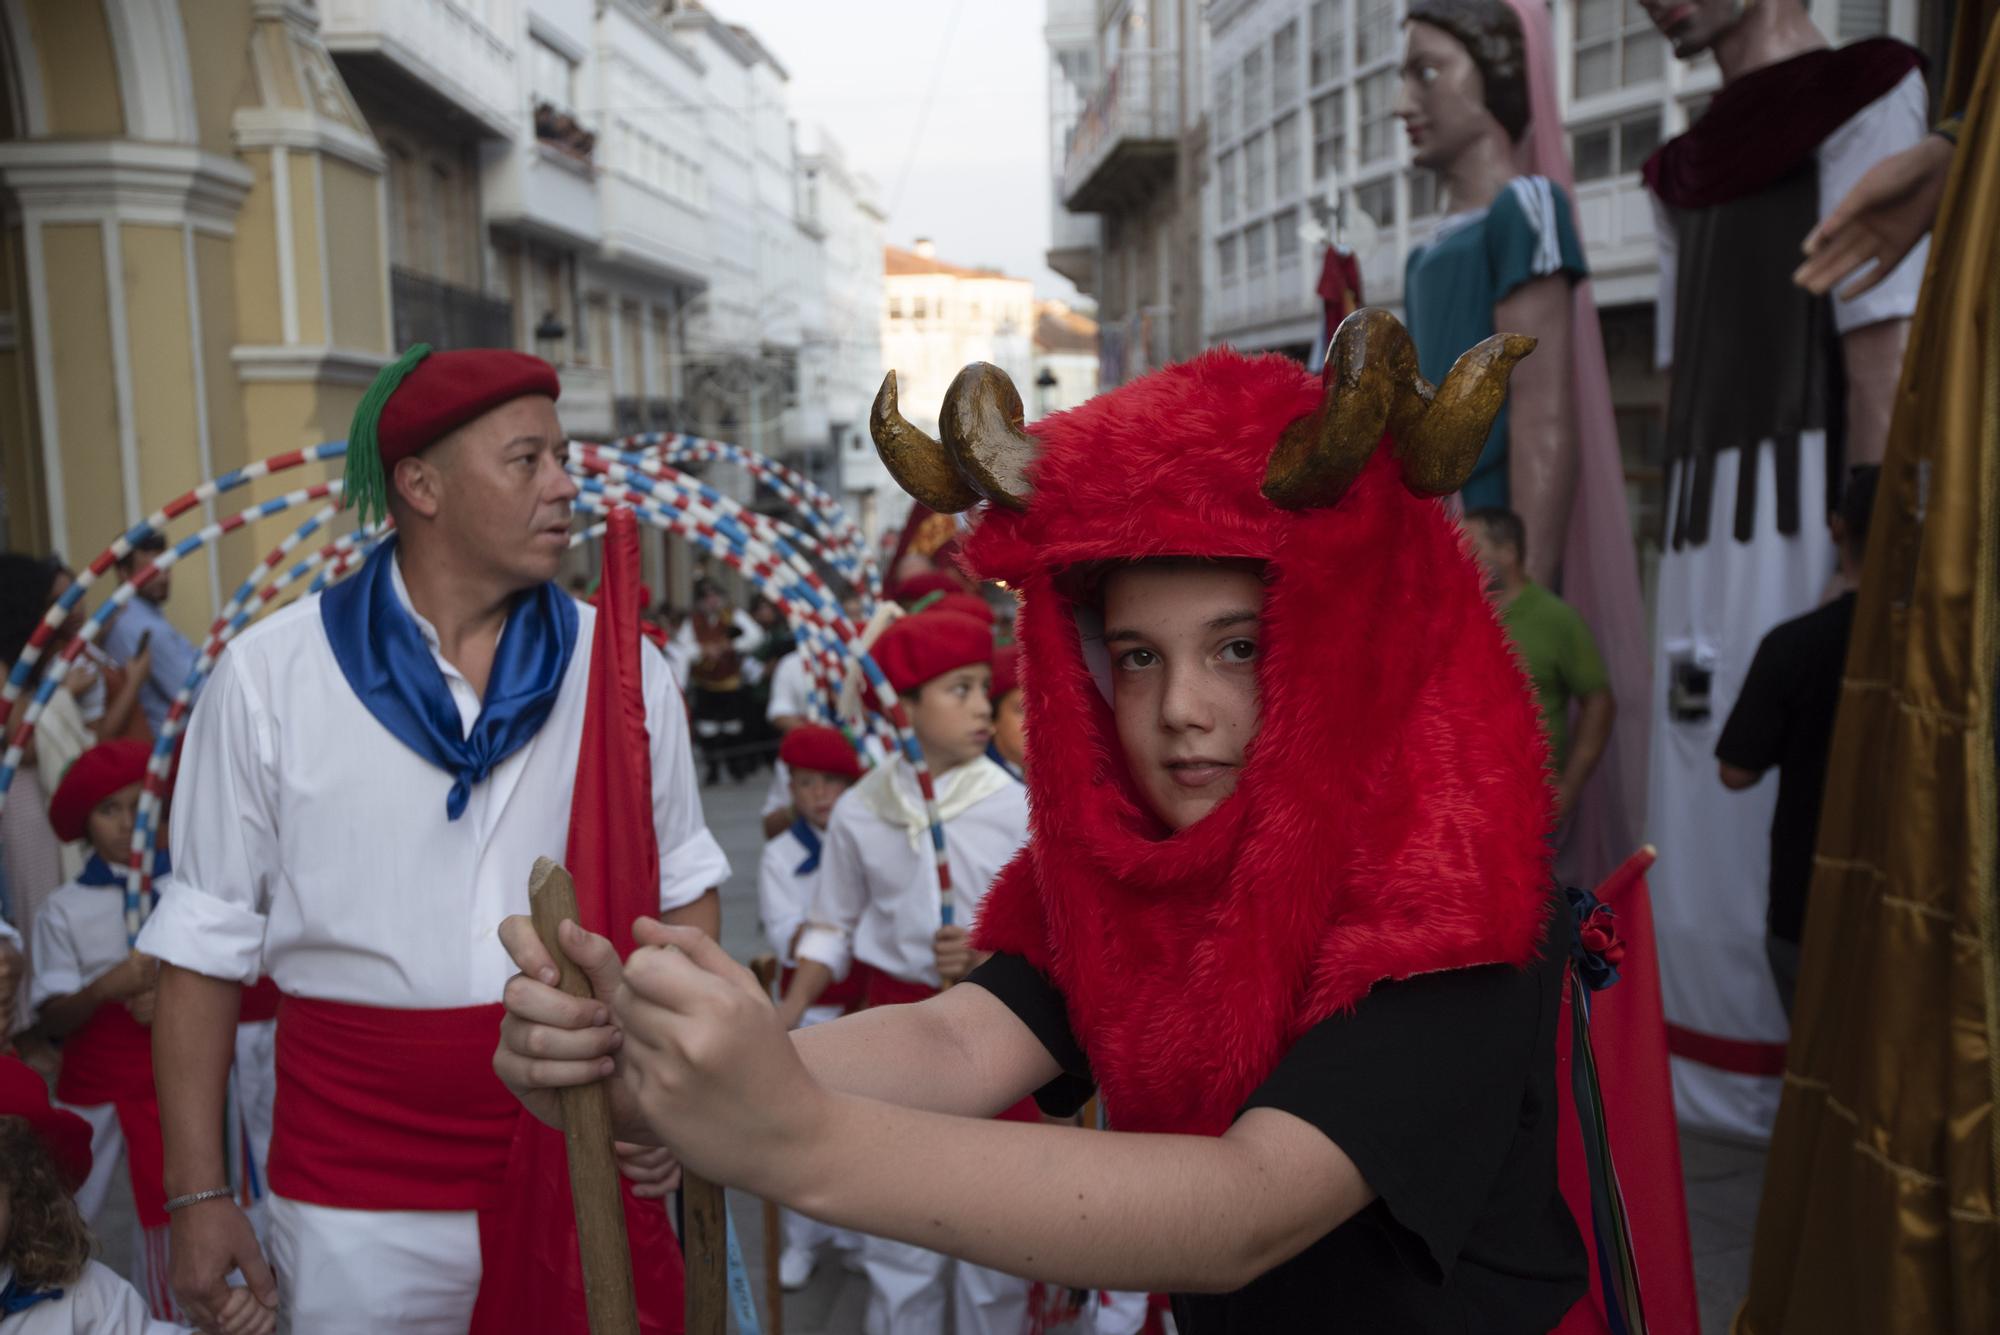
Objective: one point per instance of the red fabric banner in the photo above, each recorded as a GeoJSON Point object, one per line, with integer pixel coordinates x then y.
{"type": "Point", "coordinates": [1628, 1035]}
{"type": "Point", "coordinates": [533, 1277]}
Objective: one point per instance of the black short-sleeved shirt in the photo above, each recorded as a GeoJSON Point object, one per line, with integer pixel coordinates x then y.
{"type": "Point", "coordinates": [1784, 717]}
{"type": "Point", "coordinates": [1442, 1090]}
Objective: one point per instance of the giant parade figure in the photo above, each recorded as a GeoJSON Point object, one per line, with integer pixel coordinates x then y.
{"type": "Point", "coordinates": [1775, 393]}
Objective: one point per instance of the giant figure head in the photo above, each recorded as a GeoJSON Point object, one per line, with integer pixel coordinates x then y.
{"type": "Point", "coordinates": [1464, 73]}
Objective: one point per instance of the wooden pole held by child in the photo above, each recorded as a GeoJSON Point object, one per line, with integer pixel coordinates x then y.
{"type": "Point", "coordinates": [594, 1187]}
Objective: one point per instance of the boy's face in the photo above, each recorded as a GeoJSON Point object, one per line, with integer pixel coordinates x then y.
{"type": "Point", "coordinates": [1010, 729]}
{"type": "Point", "coordinates": [1183, 644]}
{"type": "Point", "coordinates": [953, 718]}
{"type": "Point", "coordinates": [814, 792]}
{"type": "Point", "coordinates": [110, 826]}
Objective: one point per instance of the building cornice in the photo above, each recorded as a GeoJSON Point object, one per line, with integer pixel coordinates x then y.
{"type": "Point", "coordinates": [288, 127]}
{"type": "Point", "coordinates": [322, 364]}
{"type": "Point", "coordinates": [121, 178]}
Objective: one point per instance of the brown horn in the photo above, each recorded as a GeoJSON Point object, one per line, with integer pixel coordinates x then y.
{"type": "Point", "coordinates": [919, 464]}
{"type": "Point", "coordinates": [1372, 385]}
{"type": "Point", "coordinates": [983, 433]}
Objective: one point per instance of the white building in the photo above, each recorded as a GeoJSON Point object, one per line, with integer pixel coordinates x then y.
{"type": "Point", "coordinates": [840, 359]}
{"type": "Point", "coordinates": [1302, 125]}
{"type": "Point", "coordinates": [936, 317]}
{"type": "Point", "coordinates": [1066, 371]}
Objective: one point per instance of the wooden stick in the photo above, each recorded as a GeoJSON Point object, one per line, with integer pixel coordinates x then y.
{"type": "Point", "coordinates": [765, 967]}
{"type": "Point", "coordinates": [593, 1166]}
{"type": "Point", "coordinates": [704, 1249]}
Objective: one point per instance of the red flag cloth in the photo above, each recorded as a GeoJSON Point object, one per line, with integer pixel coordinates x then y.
{"type": "Point", "coordinates": [1628, 1035]}
{"type": "Point", "coordinates": [1339, 290]}
{"type": "Point", "coordinates": [533, 1277]}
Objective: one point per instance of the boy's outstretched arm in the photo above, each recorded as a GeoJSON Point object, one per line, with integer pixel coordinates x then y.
{"type": "Point", "coordinates": [962, 1052]}
{"type": "Point", "coordinates": [707, 1066]}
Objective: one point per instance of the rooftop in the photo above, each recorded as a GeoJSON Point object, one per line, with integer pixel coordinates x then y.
{"type": "Point", "coordinates": [922, 258]}
{"type": "Point", "coordinates": [1060, 329]}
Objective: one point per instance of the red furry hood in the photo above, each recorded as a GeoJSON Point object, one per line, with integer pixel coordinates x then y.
{"type": "Point", "coordinates": [1392, 814]}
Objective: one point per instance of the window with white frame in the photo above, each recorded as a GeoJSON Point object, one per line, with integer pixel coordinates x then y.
{"type": "Point", "coordinates": [1329, 42]}
{"type": "Point", "coordinates": [1254, 89]}
{"type": "Point", "coordinates": [1374, 30]}
{"type": "Point", "coordinates": [1227, 185]}
{"type": "Point", "coordinates": [1256, 172]}
{"type": "Point", "coordinates": [1614, 148]}
{"type": "Point", "coordinates": [1862, 18]}
{"type": "Point", "coordinates": [1285, 66]}
{"type": "Point", "coordinates": [1378, 115]}
{"type": "Point", "coordinates": [1616, 47]}
{"type": "Point", "coordinates": [1225, 105]}
{"type": "Point", "coordinates": [1256, 250]}
{"type": "Point", "coordinates": [1423, 192]}
{"type": "Point", "coordinates": [1285, 143]}
{"type": "Point", "coordinates": [1225, 260]}
{"type": "Point", "coordinates": [552, 75]}
{"type": "Point", "coordinates": [1377, 201]}
{"type": "Point", "coordinates": [1286, 225]}
{"type": "Point", "coordinates": [1329, 134]}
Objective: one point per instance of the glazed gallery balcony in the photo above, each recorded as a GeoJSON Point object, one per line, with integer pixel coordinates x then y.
{"type": "Point", "coordinates": [1124, 144]}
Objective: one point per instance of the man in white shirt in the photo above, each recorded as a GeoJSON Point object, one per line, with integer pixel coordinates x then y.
{"type": "Point", "coordinates": [790, 707]}
{"type": "Point", "coordinates": [366, 783]}
{"type": "Point", "coordinates": [878, 911]}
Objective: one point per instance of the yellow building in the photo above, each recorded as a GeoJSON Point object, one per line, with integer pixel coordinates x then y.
{"type": "Point", "coordinates": [193, 266]}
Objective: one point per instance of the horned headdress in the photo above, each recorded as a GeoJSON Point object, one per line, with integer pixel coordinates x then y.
{"type": "Point", "coordinates": [1392, 813]}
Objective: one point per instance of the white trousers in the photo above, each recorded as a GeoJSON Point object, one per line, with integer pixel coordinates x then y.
{"type": "Point", "coordinates": [1711, 886]}
{"type": "Point", "coordinates": [1121, 1313]}
{"type": "Point", "coordinates": [908, 1288]}
{"type": "Point", "coordinates": [365, 1272]}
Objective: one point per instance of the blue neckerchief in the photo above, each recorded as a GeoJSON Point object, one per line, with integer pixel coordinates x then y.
{"type": "Point", "coordinates": [14, 1298]}
{"type": "Point", "coordinates": [993, 754]}
{"type": "Point", "coordinates": [803, 831]}
{"type": "Point", "coordinates": [99, 872]}
{"type": "Point", "coordinates": [390, 667]}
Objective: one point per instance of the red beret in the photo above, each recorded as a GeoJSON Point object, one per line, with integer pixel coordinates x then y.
{"type": "Point", "coordinates": [67, 1136]}
{"type": "Point", "coordinates": [920, 648]}
{"type": "Point", "coordinates": [918, 587]}
{"type": "Point", "coordinates": [965, 604]}
{"type": "Point", "coordinates": [448, 389]}
{"type": "Point", "coordinates": [818, 747]}
{"type": "Point", "coordinates": [1006, 671]}
{"type": "Point", "coordinates": [96, 775]}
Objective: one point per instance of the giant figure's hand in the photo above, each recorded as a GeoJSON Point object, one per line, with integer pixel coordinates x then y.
{"type": "Point", "coordinates": [206, 1242]}
{"type": "Point", "coordinates": [708, 1062]}
{"type": "Point", "coordinates": [1883, 217]}
{"type": "Point", "coordinates": [550, 1040]}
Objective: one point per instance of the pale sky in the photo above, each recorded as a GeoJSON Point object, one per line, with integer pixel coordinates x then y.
{"type": "Point", "coordinates": [977, 166]}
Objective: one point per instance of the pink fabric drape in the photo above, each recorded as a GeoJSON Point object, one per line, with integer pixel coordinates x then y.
{"type": "Point", "coordinates": [1600, 571]}
{"type": "Point", "coordinates": [1600, 578]}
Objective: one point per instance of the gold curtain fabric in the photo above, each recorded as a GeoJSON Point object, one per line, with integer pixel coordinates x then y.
{"type": "Point", "coordinates": [1884, 1173]}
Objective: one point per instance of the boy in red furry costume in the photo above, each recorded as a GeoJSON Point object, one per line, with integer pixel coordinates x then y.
{"type": "Point", "coordinates": [1286, 901]}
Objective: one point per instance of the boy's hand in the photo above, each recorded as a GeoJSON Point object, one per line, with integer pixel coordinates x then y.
{"type": "Point", "coordinates": [134, 975]}
{"type": "Point", "coordinates": [708, 1063]}
{"type": "Point", "coordinates": [653, 1172]}
{"type": "Point", "coordinates": [142, 1006]}
{"type": "Point", "coordinates": [551, 1040]}
{"type": "Point", "coordinates": [242, 1314]}
{"type": "Point", "coordinates": [955, 956]}
{"type": "Point", "coordinates": [81, 677]}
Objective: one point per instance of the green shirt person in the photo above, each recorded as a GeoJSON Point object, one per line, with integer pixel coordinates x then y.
{"type": "Point", "coordinates": [1557, 651]}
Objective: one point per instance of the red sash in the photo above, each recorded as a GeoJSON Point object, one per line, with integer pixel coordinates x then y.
{"type": "Point", "coordinates": [846, 994]}
{"type": "Point", "coordinates": [260, 1002]}
{"type": "Point", "coordinates": [109, 1059]}
{"type": "Point", "coordinates": [381, 1109]}
{"type": "Point", "coordinates": [882, 989]}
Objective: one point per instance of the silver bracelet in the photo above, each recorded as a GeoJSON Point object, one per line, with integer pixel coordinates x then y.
{"type": "Point", "coordinates": [196, 1197]}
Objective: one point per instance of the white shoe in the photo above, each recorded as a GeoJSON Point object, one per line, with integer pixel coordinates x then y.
{"type": "Point", "coordinates": [795, 1268]}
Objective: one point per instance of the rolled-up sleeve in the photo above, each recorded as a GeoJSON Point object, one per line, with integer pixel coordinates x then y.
{"type": "Point", "coordinates": [691, 861]}
{"type": "Point", "coordinates": [211, 909]}
{"type": "Point", "coordinates": [842, 897]}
